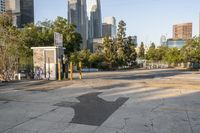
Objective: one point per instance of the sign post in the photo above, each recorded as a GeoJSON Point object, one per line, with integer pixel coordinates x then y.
{"type": "Point", "coordinates": [58, 42]}
{"type": "Point", "coordinates": [58, 39]}
{"type": "Point", "coordinates": [59, 69]}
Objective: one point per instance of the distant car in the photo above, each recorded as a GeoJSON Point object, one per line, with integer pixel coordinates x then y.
{"type": "Point", "coordinates": [22, 74]}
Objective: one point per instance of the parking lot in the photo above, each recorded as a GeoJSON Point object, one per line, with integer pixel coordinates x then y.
{"type": "Point", "coordinates": [139, 101]}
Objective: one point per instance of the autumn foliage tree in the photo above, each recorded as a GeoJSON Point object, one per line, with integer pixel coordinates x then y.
{"type": "Point", "coordinates": [9, 47]}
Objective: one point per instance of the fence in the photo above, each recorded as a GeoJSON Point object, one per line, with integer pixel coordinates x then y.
{"type": "Point", "coordinates": [164, 65]}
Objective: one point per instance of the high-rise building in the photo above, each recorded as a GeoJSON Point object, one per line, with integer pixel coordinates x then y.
{"type": "Point", "coordinates": [109, 27]}
{"type": "Point", "coordinates": [77, 15]}
{"type": "Point", "coordinates": [26, 12]}
{"type": "Point", "coordinates": [199, 24]}
{"type": "Point", "coordinates": [107, 30]}
{"type": "Point", "coordinates": [176, 43]}
{"type": "Point", "coordinates": [110, 20]}
{"type": "Point", "coordinates": [163, 40]}
{"type": "Point", "coordinates": [22, 11]}
{"type": "Point", "coordinates": [13, 7]}
{"type": "Point", "coordinates": [2, 6]}
{"type": "Point", "coordinates": [96, 20]}
{"type": "Point", "coordinates": [182, 31]}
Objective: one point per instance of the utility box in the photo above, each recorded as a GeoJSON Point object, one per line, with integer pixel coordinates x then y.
{"type": "Point", "coordinates": [45, 60]}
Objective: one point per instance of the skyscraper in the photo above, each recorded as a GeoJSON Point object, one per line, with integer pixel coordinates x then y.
{"type": "Point", "coordinates": [96, 20]}
{"type": "Point", "coordinates": [26, 12]}
{"type": "Point", "coordinates": [199, 24]}
{"type": "Point", "coordinates": [77, 15]}
{"type": "Point", "coordinates": [182, 31]}
{"type": "Point", "coordinates": [13, 8]}
{"type": "Point", "coordinates": [109, 27]}
{"type": "Point", "coordinates": [163, 40]}
{"type": "Point", "coordinates": [2, 6]}
{"type": "Point", "coordinates": [22, 11]}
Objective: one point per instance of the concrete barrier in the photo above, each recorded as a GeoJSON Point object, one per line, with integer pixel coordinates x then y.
{"type": "Point", "coordinates": [90, 70]}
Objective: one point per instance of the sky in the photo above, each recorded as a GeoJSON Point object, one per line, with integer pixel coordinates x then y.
{"type": "Point", "coordinates": [147, 19]}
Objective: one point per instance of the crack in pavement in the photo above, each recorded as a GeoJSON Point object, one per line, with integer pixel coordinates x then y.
{"type": "Point", "coordinates": [125, 124]}
{"type": "Point", "coordinates": [158, 106]}
{"type": "Point", "coordinates": [31, 118]}
{"type": "Point", "coordinates": [186, 111]}
{"type": "Point", "coordinates": [152, 125]}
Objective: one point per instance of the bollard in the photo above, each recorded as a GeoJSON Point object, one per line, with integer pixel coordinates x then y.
{"type": "Point", "coordinates": [71, 71]}
{"type": "Point", "coordinates": [64, 70]}
{"type": "Point", "coordinates": [59, 71]}
{"type": "Point", "coordinates": [80, 69]}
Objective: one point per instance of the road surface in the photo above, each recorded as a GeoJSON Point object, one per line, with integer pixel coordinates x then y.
{"type": "Point", "coordinates": [139, 101]}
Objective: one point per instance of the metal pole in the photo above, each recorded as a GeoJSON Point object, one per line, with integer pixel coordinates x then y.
{"type": "Point", "coordinates": [80, 69]}
{"type": "Point", "coordinates": [64, 67]}
{"type": "Point", "coordinates": [71, 71]}
{"type": "Point", "coordinates": [45, 76]}
{"type": "Point", "coordinates": [49, 71]}
{"type": "Point", "coordinates": [59, 71]}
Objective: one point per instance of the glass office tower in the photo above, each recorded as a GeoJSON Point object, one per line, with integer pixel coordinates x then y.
{"type": "Point", "coordinates": [77, 15]}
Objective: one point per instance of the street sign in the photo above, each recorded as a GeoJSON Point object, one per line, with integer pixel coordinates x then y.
{"type": "Point", "coordinates": [58, 39]}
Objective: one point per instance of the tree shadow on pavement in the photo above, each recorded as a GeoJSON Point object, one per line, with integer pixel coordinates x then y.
{"type": "Point", "coordinates": [93, 110]}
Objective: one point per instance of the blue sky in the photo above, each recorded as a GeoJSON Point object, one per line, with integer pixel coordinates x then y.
{"type": "Point", "coordinates": [148, 19]}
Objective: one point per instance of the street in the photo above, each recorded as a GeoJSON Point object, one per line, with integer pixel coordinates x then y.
{"type": "Point", "coordinates": [137, 101]}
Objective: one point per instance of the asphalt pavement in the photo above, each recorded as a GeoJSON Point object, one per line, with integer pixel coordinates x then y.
{"type": "Point", "coordinates": [138, 101]}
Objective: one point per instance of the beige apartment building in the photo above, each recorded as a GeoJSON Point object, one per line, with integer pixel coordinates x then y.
{"type": "Point", "coordinates": [2, 6]}
{"type": "Point", "coordinates": [22, 11]}
{"type": "Point", "coordinates": [182, 31]}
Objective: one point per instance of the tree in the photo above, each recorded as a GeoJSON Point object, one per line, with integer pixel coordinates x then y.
{"type": "Point", "coordinates": [34, 36]}
{"type": "Point", "coordinates": [109, 51]}
{"type": "Point", "coordinates": [96, 60]}
{"type": "Point", "coordinates": [130, 41]}
{"type": "Point", "coordinates": [9, 48]}
{"type": "Point", "coordinates": [130, 51]}
{"type": "Point", "coordinates": [121, 48]}
{"type": "Point", "coordinates": [71, 38]}
{"type": "Point", "coordinates": [191, 51]}
{"type": "Point", "coordinates": [173, 56]}
{"type": "Point", "coordinates": [84, 56]}
{"type": "Point", "coordinates": [5, 20]}
{"type": "Point", "coordinates": [161, 53]}
{"type": "Point", "coordinates": [153, 46]}
{"type": "Point", "coordinates": [132, 55]}
{"type": "Point", "coordinates": [74, 57]}
{"type": "Point", "coordinates": [156, 54]}
{"type": "Point", "coordinates": [141, 54]}
{"type": "Point", "coordinates": [151, 53]}
{"type": "Point", "coordinates": [42, 34]}
{"type": "Point", "coordinates": [45, 33]}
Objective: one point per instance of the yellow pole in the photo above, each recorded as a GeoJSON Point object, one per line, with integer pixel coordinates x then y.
{"type": "Point", "coordinates": [59, 75]}
{"type": "Point", "coordinates": [80, 67]}
{"type": "Point", "coordinates": [71, 71]}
